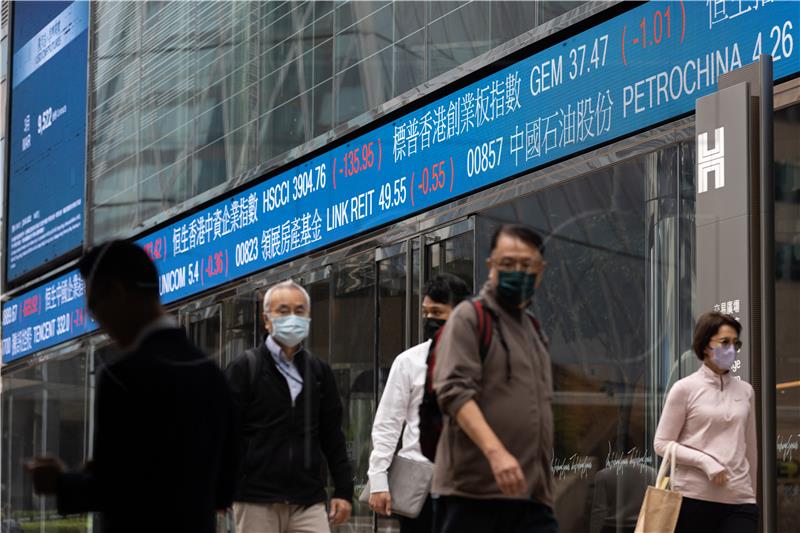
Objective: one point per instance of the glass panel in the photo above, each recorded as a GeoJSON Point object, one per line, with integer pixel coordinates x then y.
{"type": "Point", "coordinates": [392, 278]}
{"type": "Point", "coordinates": [23, 427]}
{"type": "Point", "coordinates": [204, 328]}
{"type": "Point", "coordinates": [368, 37]}
{"type": "Point", "coordinates": [510, 19]}
{"type": "Point", "coordinates": [66, 410]}
{"type": "Point", "coordinates": [454, 256]}
{"type": "Point", "coordinates": [787, 309]}
{"type": "Point", "coordinates": [242, 326]}
{"type": "Point", "coordinates": [190, 95]}
{"type": "Point", "coordinates": [549, 9]}
{"type": "Point", "coordinates": [416, 298]}
{"type": "Point", "coordinates": [319, 337]}
{"type": "Point", "coordinates": [409, 63]}
{"type": "Point", "coordinates": [364, 86]}
{"type": "Point", "coordinates": [593, 304]}
{"type": "Point", "coordinates": [353, 363]}
{"type": "Point", "coordinates": [391, 309]}
{"type": "Point", "coordinates": [323, 107]}
{"type": "Point", "coordinates": [458, 37]}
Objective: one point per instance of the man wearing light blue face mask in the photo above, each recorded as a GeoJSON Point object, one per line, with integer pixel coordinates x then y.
{"type": "Point", "coordinates": [291, 416]}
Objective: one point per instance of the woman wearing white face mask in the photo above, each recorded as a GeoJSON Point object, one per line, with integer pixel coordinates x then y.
{"type": "Point", "coordinates": [711, 416]}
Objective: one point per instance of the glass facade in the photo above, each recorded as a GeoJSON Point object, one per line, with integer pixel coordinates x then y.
{"type": "Point", "coordinates": [608, 304]}
{"type": "Point", "coordinates": [46, 411]}
{"type": "Point", "coordinates": [190, 97]}
{"type": "Point", "coordinates": [787, 308]}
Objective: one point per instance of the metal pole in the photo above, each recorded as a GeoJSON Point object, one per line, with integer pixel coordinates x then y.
{"type": "Point", "coordinates": [768, 432]}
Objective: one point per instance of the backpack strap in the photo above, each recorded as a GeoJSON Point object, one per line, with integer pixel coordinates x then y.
{"type": "Point", "coordinates": [254, 366]}
{"type": "Point", "coordinates": [486, 320]}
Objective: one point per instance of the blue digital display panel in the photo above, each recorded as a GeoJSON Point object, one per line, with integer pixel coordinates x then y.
{"type": "Point", "coordinates": [47, 133]}
{"type": "Point", "coordinates": [48, 315]}
{"type": "Point", "coordinates": [645, 66]}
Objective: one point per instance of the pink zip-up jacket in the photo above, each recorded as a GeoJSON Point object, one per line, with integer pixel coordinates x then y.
{"type": "Point", "coordinates": [712, 418]}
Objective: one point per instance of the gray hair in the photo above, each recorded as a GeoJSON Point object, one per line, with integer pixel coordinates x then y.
{"type": "Point", "coordinates": [287, 284]}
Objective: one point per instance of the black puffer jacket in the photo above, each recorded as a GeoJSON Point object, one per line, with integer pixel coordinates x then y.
{"type": "Point", "coordinates": [283, 442]}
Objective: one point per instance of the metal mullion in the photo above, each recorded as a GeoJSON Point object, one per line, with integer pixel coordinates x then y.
{"type": "Point", "coordinates": [409, 291]}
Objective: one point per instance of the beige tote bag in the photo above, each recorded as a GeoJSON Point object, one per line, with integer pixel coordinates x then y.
{"type": "Point", "coordinates": [661, 506]}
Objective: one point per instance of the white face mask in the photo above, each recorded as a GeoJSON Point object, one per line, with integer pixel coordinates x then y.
{"type": "Point", "coordinates": [290, 330]}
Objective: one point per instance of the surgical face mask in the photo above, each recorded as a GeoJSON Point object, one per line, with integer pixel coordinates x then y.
{"type": "Point", "coordinates": [431, 326]}
{"type": "Point", "coordinates": [723, 356]}
{"type": "Point", "coordinates": [290, 330]}
{"type": "Point", "coordinates": [515, 287]}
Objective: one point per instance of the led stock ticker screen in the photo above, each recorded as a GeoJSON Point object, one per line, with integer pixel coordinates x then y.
{"type": "Point", "coordinates": [47, 133]}
{"type": "Point", "coordinates": [643, 67]}
{"type": "Point", "coordinates": [46, 316]}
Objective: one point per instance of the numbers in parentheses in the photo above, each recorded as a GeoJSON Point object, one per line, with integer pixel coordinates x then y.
{"type": "Point", "coordinates": [215, 264]}
{"type": "Point", "coordinates": [78, 318]}
{"type": "Point", "coordinates": [432, 179]}
{"type": "Point", "coordinates": [358, 159]}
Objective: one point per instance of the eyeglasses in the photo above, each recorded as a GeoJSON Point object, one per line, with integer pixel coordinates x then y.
{"type": "Point", "coordinates": [526, 265]}
{"type": "Point", "coordinates": [726, 342]}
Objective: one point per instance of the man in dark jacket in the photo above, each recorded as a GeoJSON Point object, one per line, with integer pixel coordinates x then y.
{"type": "Point", "coordinates": [164, 442]}
{"type": "Point", "coordinates": [291, 416]}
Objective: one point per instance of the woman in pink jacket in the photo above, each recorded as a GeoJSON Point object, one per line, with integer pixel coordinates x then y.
{"type": "Point", "coordinates": [711, 416]}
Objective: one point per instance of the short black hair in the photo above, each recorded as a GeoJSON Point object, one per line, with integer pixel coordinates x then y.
{"type": "Point", "coordinates": [122, 262]}
{"type": "Point", "coordinates": [446, 289]}
{"type": "Point", "coordinates": [519, 231]}
{"type": "Point", "coordinates": [707, 326]}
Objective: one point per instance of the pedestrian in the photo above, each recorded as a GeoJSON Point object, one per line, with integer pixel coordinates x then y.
{"type": "Point", "coordinates": [291, 419]}
{"type": "Point", "coordinates": [711, 416]}
{"type": "Point", "coordinates": [398, 413]}
{"type": "Point", "coordinates": [493, 382]}
{"type": "Point", "coordinates": [164, 449]}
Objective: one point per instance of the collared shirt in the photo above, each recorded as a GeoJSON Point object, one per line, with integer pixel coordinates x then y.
{"type": "Point", "coordinates": [399, 405]}
{"type": "Point", "coordinates": [286, 368]}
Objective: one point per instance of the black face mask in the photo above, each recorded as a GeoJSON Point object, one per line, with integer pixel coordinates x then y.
{"type": "Point", "coordinates": [431, 326]}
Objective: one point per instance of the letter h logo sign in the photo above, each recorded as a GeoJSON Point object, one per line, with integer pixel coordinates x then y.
{"type": "Point", "coordinates": [711, 160]}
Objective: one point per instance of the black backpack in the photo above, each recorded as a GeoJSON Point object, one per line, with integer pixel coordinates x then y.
{"type": "Point", "coordinates": [430, 416]}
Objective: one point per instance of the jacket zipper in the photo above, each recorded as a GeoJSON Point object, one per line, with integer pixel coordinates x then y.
{"type": "Point", "coordinates": [721, 385]}
{"type": "Point", "coordinates": [291, 439]}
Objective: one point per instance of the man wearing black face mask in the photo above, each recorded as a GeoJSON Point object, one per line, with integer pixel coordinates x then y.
{"type": "Point", "coordinates": [398, 411]}
{"type": "Point", "coordinates": [494, 385]}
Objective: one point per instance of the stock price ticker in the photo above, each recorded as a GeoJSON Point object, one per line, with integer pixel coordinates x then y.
{"type": "Point", "coordinates": [643, 67]}
{"type": "Point", "coordinates": [45, 316]}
